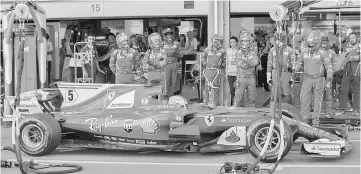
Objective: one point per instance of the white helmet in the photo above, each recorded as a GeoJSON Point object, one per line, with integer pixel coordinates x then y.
{"type": "Point", "coordinates": [178, 100]}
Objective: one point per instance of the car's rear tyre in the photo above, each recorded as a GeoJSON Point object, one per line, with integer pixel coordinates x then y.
{"type": "Point", "coordinates": [40, 134]}
{"type": "Point", "coordinates": [257, 134]}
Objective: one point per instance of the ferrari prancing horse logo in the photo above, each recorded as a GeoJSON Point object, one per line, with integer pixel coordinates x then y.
{"type": "Point", "coordinates": [209, 120]}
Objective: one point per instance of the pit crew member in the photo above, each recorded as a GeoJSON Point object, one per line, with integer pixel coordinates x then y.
{"type": "Point", "coordinates": [172, 50]}
{"type": "Point", "coordinates": [154, 60]}
{"type": "Point", "coordinates": [213, 57]}
{"type": "Point", "coordinates": [246, 61]}
{"type": "Point", "coordinates": [122, 61]}
{"type": "Point", "coordinates": [328, 87]}
{"type": "Point", "coordinates": [314, 62]}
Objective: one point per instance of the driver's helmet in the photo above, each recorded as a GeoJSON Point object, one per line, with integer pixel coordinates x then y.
{"type": "Point", "coordinates": [155, 40]}
{"type": "Point", "coordinates": [122, 40]}
{"type": "Point", "coordinates": [217, 41]}
{"type": "Point", "coordinates": [245, 39]}
{"type": "Point", "coordinates": [314, 40]}
{"type": "Point", "coordinates": [179, 101]}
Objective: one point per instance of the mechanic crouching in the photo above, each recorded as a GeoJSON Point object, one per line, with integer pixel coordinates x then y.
{"type": "Point", "coordinates": [285, 53]}
{"type": "Point", "coordinates": [155, 60]}
{"type": "Point", "coordinates": [122, 61]}
{"type": "Point", "coordinates": [314, 62]}
{"type": "Point", "coordinates": [246, 61]}
{"type": "Point", "coordinates": [328, 87]}
{"type": "Point", "coordinates": [213, 60]}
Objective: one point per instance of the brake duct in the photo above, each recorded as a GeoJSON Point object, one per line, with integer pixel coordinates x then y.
{"type": "Point", "coordinates": [21, 10]}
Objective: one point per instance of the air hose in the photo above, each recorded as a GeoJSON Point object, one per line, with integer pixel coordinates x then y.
{"type": "Point", "coordinates": [248, 168]}
{"type": "Point", "coordinates": [27, 166]}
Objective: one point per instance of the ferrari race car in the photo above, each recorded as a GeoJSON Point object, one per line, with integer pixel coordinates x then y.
{"type": "Point", "coordinates": [132, 117]}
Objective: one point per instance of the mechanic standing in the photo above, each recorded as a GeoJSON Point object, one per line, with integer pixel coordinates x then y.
{"type": "Point", "coordinates": [351, 74]}
{"type": "Point", "coordinates": [285, 53]}
{"type": "Point", "coordinates": [122, 60]}
{"type": "Point", "coordinates": [351, 77]}
{"type": "Point", "coordinates": [154, 60]}
{"type": "Point", "coordinates": [328, 87]}
{"type": "Point", "coordinates": [314, 62]}
{"type": "Point", "coordinates": [172, 50]}
{"type": "Point", "coordinates": [246, 60]}
{"type": "Point", "coordinates": [213, 60]}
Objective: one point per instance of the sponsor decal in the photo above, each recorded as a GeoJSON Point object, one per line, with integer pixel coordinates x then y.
{"type": "Point", "coordinates": [128, 125]}
{"type": "Point", "coordinates": [123, 101]}
{"type": "Point", "coordinates": [23, 110]}
{"type": "Point", "coordinates": [130, 141]}
{"type": "Point", "coordinates": [145, 101]}
{"type": "Point", "coordinates": [176, 123]}
{"type": "Point", "coordinates": [178, 118]}
{"type": "Point", "coordinates": [166, 106]}
{"type": "Point", "coordinates": [28, 105]}
{"type": "Point", "coordinates": [310, 132]}
{"type": "Point", "coordinates": [140, 141]}
{"type": "Point", "coordinates": [111, 95]}
{"type": "Point", "coordinates": [209, 120]}
{"type": "Point", "coordinates": [151, 142]}
{"type": "Point", "coordinates": [327, 149]}
{"type": "Point", "coordinates": [95, 126]}
{"type": "Point", "coordinates": [149, 125]}
{"type": "Point", "coordinates": [121, 139]}
{"type": "Point", "coordinates": [121, 105]}
{"type": "Point", "coordinates": [235, 120]}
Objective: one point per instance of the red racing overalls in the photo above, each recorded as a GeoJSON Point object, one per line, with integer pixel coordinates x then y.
{"type": "Point", "coordinates": [285, 62]}
{"type": "Point", "coordinates": [213, 58]}
{"type": "Point", "coordinates": [121, 63]}
{"type": "Point", "coordinates": [314, 65]}
{"type": "Point", "coordinates": [171, 68]}
{"type": "Point", "coordinates": [154, 62]}
{"type": "Point", "coordinates": [246, 62]}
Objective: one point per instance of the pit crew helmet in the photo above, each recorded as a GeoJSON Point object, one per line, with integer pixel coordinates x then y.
{"type": "Point", "coordinates": [155, 41]}
{"type": "Point", "coordinates": [324, 40]}
{"type": "Point", "coordinates": [122, 40]}
{"type": "Point", "coordinates": [168, 35]}
{"type": "Point", "coordinates": [179, 101]}
{"type": "Point", "coordinates": [245, 40]}
{"type": "Point", "coordinates": [217, 41]}
{"type": "Point", "coordinates": [314, 40]}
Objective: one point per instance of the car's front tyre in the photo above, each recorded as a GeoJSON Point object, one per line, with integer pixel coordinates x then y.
{"type": "Point", "coordinates": [40, 134]}
{"type": "Point", "coordinates": [257, 134]}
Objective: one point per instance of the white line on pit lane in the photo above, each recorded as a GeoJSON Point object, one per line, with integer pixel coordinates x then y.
{"type": "Point", "coordinates": [280, 167]}
{"type": "Point", "coordinates": [308, 141]}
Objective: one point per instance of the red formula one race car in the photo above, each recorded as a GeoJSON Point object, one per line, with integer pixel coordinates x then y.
{"type": "Point", "coordinates": [132, 117]}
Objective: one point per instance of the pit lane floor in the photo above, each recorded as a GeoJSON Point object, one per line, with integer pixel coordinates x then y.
{"type": "Point", "coordinates": [98, 161]}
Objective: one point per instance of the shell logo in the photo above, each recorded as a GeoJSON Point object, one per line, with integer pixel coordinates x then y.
{"type": "Point", "coordinates": [149, 125]}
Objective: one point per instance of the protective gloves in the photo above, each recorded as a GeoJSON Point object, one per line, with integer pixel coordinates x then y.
{"type": "Point", "coordinates": [269, 78]}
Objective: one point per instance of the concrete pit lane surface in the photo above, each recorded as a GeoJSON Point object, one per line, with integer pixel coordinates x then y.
{"type": "Point", "coordinates": [96, 161]}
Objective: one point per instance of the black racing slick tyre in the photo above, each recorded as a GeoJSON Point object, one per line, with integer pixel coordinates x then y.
{"type": "Point", "coordinates": [257, 134]}
{"type": "Point", "coordinates": [40, 134]}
